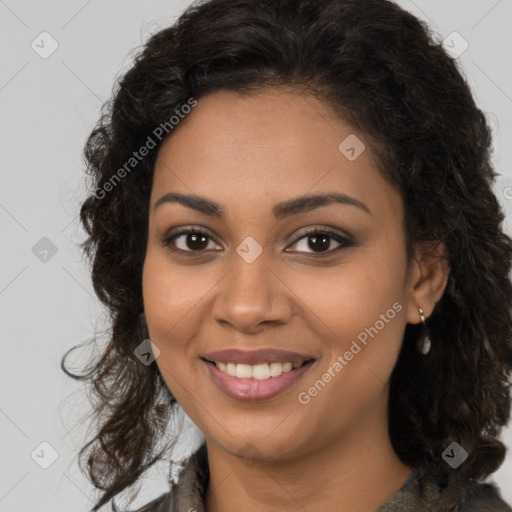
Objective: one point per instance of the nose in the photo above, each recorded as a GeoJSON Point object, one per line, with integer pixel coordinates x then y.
{"type": "Point", "coordinates": [251, 295]}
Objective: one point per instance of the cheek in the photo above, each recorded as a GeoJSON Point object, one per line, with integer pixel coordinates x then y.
{"type": "Point", "coordinates": [176, 308]}
{"type": "Point", "coordinates": [361, 305]}
{"type": "Point", "coordinates": [169, 310]}
{"type": "Point", "coordinates": [363, 310]}
{"type": "Point", "coordinates": [350, 297]}
{"type": "Point", "coordinates": [165, 307]}
{"type": "Point", "coordinates": [170, 295]}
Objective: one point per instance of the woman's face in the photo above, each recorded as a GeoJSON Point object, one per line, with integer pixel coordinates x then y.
{"type": "Point", "coordinates": [259, 278]}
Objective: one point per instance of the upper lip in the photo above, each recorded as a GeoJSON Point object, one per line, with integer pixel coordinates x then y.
{"type": "Point", "coordinates": [267, 355]}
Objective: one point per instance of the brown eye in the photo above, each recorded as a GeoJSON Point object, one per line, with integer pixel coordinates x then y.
{"type": "Point", "coordinates": [196, 241]}
{"type": "Point", "coordinates": [192, 242]}
{"type": "Point", "coordinates": [320, 241]}
{"type": "Point", "coordinates": [187, 241]}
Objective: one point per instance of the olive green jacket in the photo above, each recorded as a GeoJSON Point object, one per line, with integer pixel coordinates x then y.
{"type": "Point", "coordinates": [418, 494]}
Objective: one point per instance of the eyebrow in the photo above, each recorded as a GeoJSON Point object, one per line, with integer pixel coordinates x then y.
{"type": "Point", "coordinates": [281, 210]}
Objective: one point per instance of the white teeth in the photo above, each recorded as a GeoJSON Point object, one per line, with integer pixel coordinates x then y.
{"type": "Point", "coordinates": [244, 371]}
{"type": "Point", "coordinates": [276, 369]}
{"type": "Point", "coordinates": [258, 371]}
{"type": "Point", "coordinates": [231, 369]}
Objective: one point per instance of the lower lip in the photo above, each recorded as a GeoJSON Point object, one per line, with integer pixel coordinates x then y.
{"type": "Point", "coordinates": [255, 389]}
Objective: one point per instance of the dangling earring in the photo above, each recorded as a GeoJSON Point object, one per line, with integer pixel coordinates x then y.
{"type": "Point", "coordinates": [424, 343]}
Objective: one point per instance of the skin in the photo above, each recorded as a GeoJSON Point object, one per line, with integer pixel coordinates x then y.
{"type": "Point", "coordinates": [247, 153]}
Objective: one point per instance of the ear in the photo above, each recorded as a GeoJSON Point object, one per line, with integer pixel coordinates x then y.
{"type": "Point", "coordinates": [428, 276]}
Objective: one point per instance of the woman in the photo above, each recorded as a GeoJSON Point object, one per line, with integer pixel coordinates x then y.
{"type": "Point", "coordinates": [292, 200]}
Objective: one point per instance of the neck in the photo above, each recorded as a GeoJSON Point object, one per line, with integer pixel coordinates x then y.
{"type": "Point", "coordinates": [360, 469]}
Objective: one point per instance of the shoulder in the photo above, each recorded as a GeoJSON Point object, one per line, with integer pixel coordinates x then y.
{"type": "Point", "coordinates": [479, 497]}
{"type": "Point", "coordinates": [187, 494]}
{"type": "Point", "coordinates": [423, 492]}
{"type": "Point", "coordinates": [160, 504]}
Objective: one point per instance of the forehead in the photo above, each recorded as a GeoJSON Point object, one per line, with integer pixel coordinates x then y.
{"type": "Point", "coordinates": [266, 146]}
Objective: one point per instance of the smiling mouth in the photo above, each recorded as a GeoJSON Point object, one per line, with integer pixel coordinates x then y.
{"type": "Point", "coordinates": [262, 371]}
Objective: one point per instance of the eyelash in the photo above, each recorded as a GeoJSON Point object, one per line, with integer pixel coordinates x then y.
{"type": "Point", "coordinates": [334, 235]}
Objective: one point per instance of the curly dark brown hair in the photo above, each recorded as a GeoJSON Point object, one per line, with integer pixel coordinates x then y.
{"type": "Point", "coordinates": [383, 71]}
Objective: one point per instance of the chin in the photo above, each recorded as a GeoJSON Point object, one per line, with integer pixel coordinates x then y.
{"type": "Point", "coordinates": [255, 446]}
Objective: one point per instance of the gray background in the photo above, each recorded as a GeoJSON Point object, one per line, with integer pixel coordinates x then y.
{"type": "Point", "coordinates": [48, 107]}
